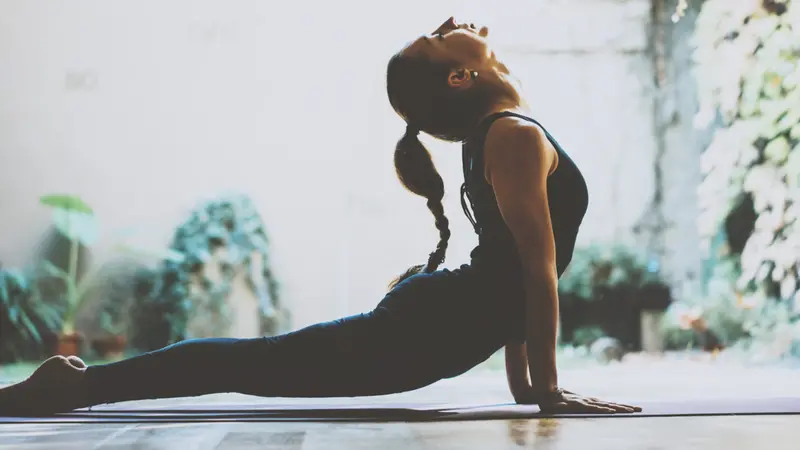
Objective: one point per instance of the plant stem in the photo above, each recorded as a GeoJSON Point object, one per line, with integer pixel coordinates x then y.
{"type": "Point", "coordinates": [71, 282]}
{"type": "Point", "coordinates": [73, 260]}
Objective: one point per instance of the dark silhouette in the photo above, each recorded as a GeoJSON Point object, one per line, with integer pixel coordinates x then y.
{"type": "Point", "coordinates": [528, 200]}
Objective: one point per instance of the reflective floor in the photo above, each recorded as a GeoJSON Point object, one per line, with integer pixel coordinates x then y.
{"type": "Point", "coordinates": [707, 433]}
{"type": "Point", "coordinates": [621, 383]}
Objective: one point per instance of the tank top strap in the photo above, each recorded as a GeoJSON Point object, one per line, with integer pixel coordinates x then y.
{"type": "Point", "coordinates": [472, 156]}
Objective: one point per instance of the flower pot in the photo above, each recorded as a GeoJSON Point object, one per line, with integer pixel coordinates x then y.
{"type": "Point", "coordinates": [110, 347]}
{"type": "Point", "coordinates": [69, 344]}
{"type": "Point", "coordinates": [653, 336]}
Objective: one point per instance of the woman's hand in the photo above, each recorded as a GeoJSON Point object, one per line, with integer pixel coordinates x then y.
{"type": "Point", "coordinates": [567, 402]}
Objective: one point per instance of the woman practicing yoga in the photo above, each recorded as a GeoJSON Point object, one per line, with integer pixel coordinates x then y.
{"type": "Point", "coordinates": [528, 199]}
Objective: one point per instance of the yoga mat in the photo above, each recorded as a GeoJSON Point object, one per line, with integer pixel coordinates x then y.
{"type": "Point", "coordinates": [401, 412]}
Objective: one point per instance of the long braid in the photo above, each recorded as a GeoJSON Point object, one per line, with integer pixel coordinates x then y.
{"type": "Point", "coordinates": [420, 93]}
{"type": "Point", "coordinates": [416, 171]}
{"type": "Point", "coordinates": [442, 224]}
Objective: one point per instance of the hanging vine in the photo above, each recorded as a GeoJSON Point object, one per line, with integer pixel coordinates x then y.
{"type": "Point", "coordinates": [747, 60]}
{"type": "Point", "coordinates": [224, 237]}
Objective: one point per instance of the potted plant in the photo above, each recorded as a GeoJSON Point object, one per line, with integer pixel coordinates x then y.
{"type": "Point", "coordinates": [75, 220]}
{"type": "Point", "coordinates": [162, 306]}
{"type": "Point", "coordinates": [25, 320]}
{"type": "Point", "coordinates": [228, 235]}
{"type": "Point", "coordinates": [611, 287]}
{"type": "Point", "coordinates": [115, 342]}
{"type": "Point", "coordinates": [115, 312]}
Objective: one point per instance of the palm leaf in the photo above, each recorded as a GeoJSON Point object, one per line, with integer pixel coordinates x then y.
{"type": "Point", "coordinates": [73, 218]}
{"type": "Point", "coordinates": [50, 317]}
{"type": "Point", "coordinates": [67, 202]}
{"type": "Point", "coordinates": [30, 327]}
{"type": "Point", "coordinates": [53, 270]}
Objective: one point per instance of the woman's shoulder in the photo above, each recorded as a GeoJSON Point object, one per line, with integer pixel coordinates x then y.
{"type": "Point", "coordinates": [510, 127]}
{"type": "Point", "coordinates": [513, 139]}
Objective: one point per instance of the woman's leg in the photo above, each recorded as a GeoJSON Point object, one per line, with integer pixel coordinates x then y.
{"type": "Point", "coordinates": [427, 328]}
{"type": "Point", "coordinates": [360, 355]}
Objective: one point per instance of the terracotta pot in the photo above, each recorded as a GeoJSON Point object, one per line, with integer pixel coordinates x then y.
{"type": "Point", "coordinates": [69, 344]}
{"type": "Point", "coordinates": [110, 346]}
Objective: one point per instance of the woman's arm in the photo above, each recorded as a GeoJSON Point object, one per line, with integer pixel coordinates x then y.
{"type": "Point", "coordinates": [519, 158]}
{"type": "Point", "coordinates": [519, 380]}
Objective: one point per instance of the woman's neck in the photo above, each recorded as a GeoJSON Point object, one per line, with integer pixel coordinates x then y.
{"type": "Point", "coordinates": [508, 93]}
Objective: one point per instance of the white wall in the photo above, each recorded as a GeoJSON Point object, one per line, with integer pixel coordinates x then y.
{"type": "Point", "coordinates": [143, 108]}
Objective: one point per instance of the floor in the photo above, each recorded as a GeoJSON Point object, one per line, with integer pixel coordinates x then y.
{"type": "Point", "coordinates": [653, 381]}
{"type": "Point", "coordinates": [595, 434]}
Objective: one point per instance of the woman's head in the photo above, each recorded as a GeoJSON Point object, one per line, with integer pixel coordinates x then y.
{"type": "Point", "coordinates": [444, 84]}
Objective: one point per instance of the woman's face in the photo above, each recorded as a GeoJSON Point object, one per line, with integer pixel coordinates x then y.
{"type": "Point", "coordinates": [464, 44]}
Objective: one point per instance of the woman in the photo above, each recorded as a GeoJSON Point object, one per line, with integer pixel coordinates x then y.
{"type": "Point", "coordinates": [528, 199]}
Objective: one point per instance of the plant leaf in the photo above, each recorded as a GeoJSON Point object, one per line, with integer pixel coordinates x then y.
{"type": "Point", "coordinates": [66, 202]}
{"type": "Point", "coordinates": [5, 298]}
{"type": "Point", "coordinates": [76, 225]}
{"type": "Point", "coordinates": [50, 317]}
{"type": "Point", "coordinates": [31, 328]}
{"type": "Point", "coordinates": [13, 314]}
{"type": "Point", "coordinates": [167, 254]}
{"type": "Point", "coordinates": [53, 270]}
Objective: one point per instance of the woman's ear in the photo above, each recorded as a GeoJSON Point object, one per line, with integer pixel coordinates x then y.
{"type": "Point", "coordinates": [461, 78]}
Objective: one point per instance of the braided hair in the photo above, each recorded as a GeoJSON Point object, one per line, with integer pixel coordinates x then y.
{"type": "Point", "coordinates": [419, 92]}
{"type": "Point", "coordinates": [417, 173]}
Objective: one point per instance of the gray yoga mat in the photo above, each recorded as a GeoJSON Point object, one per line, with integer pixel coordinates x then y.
{"type": "Point", "coordinates": [401, 412]}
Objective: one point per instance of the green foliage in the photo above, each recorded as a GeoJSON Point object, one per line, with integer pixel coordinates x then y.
{"type": "Point", "coordinates": [26, 312]}
{"type": "Point", "coordinates": [764, 325]}
{"type": "Point", "coordinates": [25, 319]}
{"type": "Point", "coordinates": [747, 58]}
{"type": "Point", "coordinates": [162, 307]}
{"type": "Point", "coordinates": [748, 69]}
{"type": "Point", "coordinates": [227, 232]}
{"type": "Point", "coordinates": [604, 290]}
{"type": "Point", "coordinates": [74, 219]}
{"type": "Point", "coordinates": [676, 338]}
{"type": "Point", "coordinates": [724, 310]}
{"type": "Point", "coordinates": [597, 268]}
{"type": "Point", "coordinates": [68, 203]}
{"type": "Point", "coordinates": [585, 336]}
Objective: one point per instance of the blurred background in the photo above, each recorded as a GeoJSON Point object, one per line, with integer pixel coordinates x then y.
{"type": "Point", "coordinates": [186, 169]}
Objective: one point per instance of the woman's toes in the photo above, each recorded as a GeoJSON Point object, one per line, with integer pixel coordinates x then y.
{"type": "Point", "coordinates": [76, 362]}
{"type": "Point", "coordinates": [56, 386]}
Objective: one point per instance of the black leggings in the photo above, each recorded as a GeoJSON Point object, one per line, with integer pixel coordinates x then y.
{"type": "Point", "coordinates": [430, 327]}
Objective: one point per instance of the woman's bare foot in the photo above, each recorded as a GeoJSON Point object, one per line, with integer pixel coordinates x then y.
{"type": "Point", "coordinates": [77, 362]}
{"type": "Point", "coordinates": [56, 386]}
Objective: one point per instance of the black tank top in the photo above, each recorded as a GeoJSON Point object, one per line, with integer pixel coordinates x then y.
{"type": "Point", "coordinates": [567, 195]}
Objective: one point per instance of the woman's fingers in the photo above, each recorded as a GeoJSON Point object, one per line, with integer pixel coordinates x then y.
{"type": "Point", "coordinates": [588, 408]}
{"type": "Point", "coordinates": [631, 407]}
{"type": "Point", "coordinates": [572, 403]}
{"type": "Point", "coordinates": [576, 407]}
{"type": "Point", "coordinates": [616, 407]}
{"type": "Point", "coordinates": [619, 406]}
